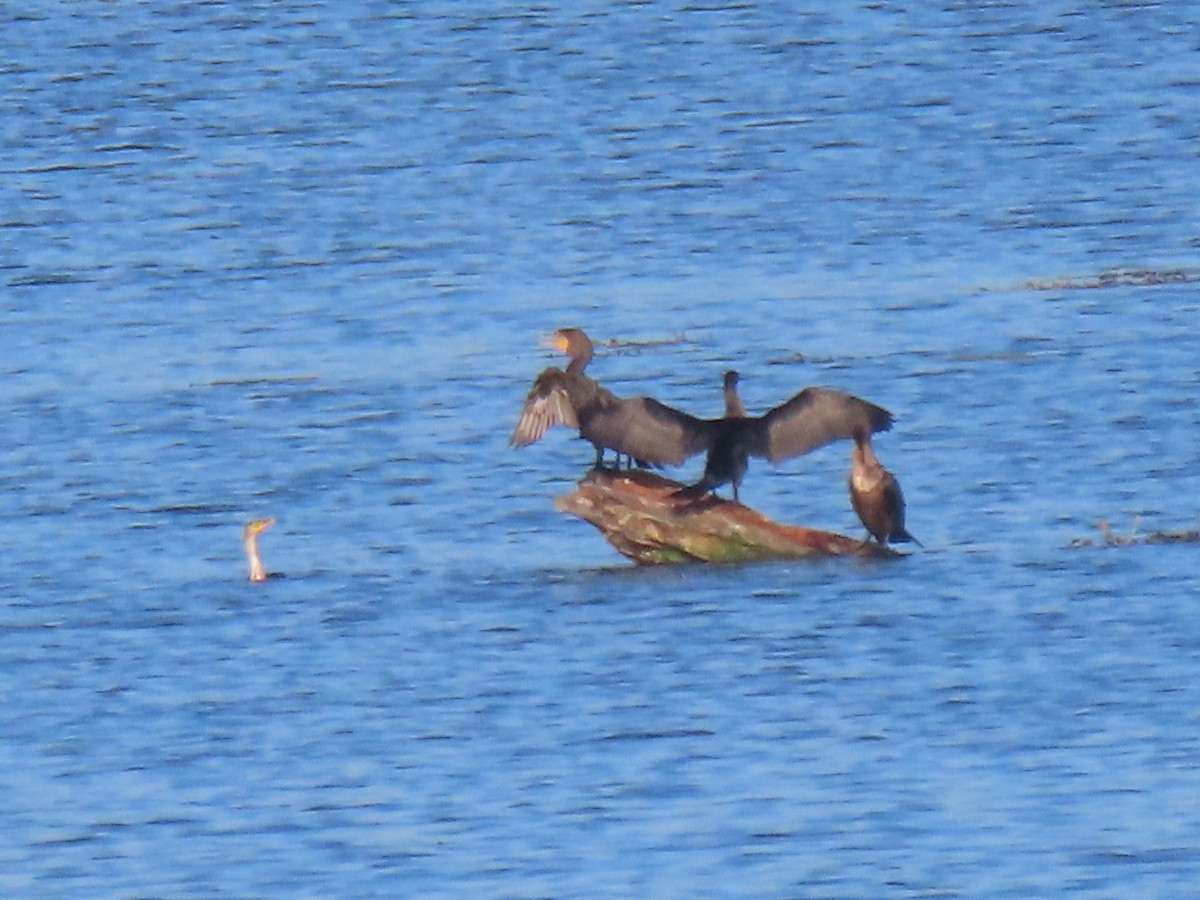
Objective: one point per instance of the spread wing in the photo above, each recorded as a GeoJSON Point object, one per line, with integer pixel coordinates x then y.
{"type": "Point", "coordinates": [647, 430]}
{"type": "Point", "coordinates": [548, 403]}
{"type": "Point", "coordinates": [813, 418]}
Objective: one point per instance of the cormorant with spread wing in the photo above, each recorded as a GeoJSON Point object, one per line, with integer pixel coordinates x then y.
{"type": "Point", "coordinates": [654, 433]}
{"type": "Point", "coordinates": [639, 427]}
{"type": "Point", "coordinates": [812, 418]}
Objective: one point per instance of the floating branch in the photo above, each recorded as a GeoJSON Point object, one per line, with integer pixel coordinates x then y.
{"type": "Point", "coordinates": [641, 515]}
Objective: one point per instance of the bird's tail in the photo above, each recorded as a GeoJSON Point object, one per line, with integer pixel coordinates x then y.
{"type": "Point", "coordinates": [694, 491]}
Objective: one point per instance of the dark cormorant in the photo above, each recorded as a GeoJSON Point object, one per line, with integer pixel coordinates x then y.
{"type": "Point", "coordinates": [653, 433]}
{"type": "Point", "coordinates": [812, 418]}
{"type": "Point", "coordinates": [875, 495]}
{"type": "Point", "coordinates": [639, 427]}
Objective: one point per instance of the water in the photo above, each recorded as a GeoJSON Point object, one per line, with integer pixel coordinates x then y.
{"type": "Point", "coordinates": [292, 259]}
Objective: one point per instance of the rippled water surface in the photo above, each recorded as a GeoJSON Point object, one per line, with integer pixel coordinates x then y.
{"type": "Point", "coordinates": [293, 259]}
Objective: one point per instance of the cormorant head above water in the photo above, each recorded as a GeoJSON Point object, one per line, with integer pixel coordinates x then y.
{"type": "Point", "coordinates": [250, 534]}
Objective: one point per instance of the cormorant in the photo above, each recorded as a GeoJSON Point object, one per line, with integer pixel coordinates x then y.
{"type": "Point", "coordinates": [250, 534]}
{"type": "Point", "coordinates": [656, 434]}
{"type": "Point", "coordinates": [639, 427]}
{"type": "Point", "coordinates": [875, 495]}
{"type": "Point", "coordinates": [812, 418]}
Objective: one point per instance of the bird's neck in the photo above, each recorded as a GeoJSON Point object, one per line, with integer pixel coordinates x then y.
{"type": "Point", "coordinates": [862, 457]}
{"type": "Point", "coordinates": [257, 572]}
{"type": "Point", "coordinates": [733, 404]}
{"type": "Point", "coordinates": [579, 361]}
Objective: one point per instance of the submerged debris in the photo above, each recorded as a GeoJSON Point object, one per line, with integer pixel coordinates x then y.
{"type": "Point", "coordinates": [1173, 537]}
{"type": "Point", "coordinates": [1110, 538]}
{"type": "Point", "coordinates": [630, 344]}
{"type": "Point", "coordinates": [1116, 278]}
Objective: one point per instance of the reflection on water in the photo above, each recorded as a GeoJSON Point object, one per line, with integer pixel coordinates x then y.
{"type": "Point", "coordinates": [293, 261]}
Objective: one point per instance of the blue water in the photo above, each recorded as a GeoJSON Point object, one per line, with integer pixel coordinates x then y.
{"type": "Point", "coordinates": [293, 259]}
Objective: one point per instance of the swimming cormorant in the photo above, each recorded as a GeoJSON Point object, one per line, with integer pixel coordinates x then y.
{"type": "Point", "coordinates": [250, 534]}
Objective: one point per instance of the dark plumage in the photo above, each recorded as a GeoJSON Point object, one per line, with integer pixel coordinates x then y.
{"type": "Point", "coordinates": [639, 427]}
{"type": "Point", "coordinates": [814, 417]}
{"type": "Point", "coordinates": [656, 434]}
{"type": "Point", "coordinates": [875, 495]}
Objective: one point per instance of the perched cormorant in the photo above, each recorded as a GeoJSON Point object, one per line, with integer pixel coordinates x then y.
{"type": "Point", "coordinates": [656, 434]}
{"type": "Point", "coordinates": [639, 427]}
{"type": "Point", "coordinates": [250, 534]}
{"type": "Point", "coordinates": [875, 495]}
{"type": "Point", "coordinates": [812, 418]}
